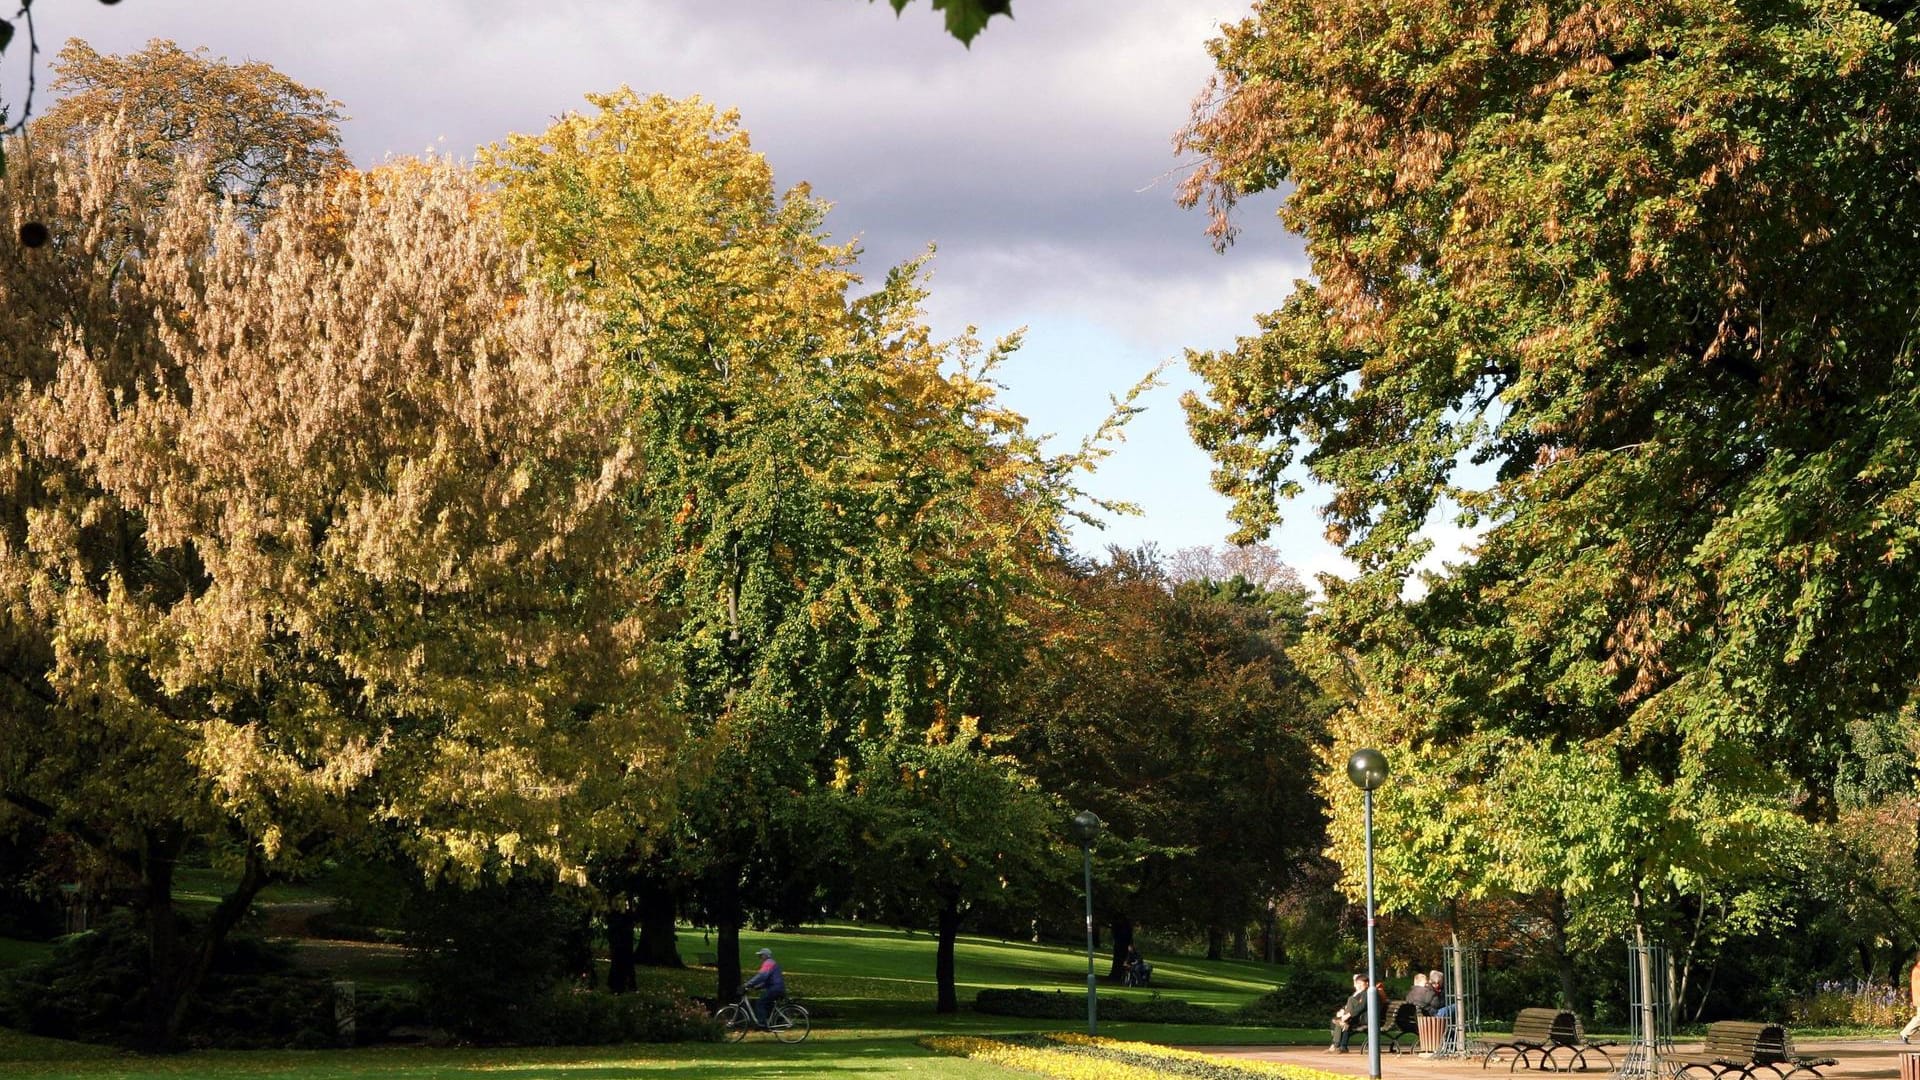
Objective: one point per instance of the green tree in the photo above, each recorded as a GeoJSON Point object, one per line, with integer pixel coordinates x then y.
{"type": "Point", "coordinates": [1172, 710]}
{"type": "Point", "coordinates": [841, 508]}
{"type": "Point", "coordinates": [942, 830]}
{"type": "Point", "coordinates": [1651, 267]}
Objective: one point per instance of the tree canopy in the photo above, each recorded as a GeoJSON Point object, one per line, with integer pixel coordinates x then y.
{"type": "Point", "coordinates": [1631, 288]}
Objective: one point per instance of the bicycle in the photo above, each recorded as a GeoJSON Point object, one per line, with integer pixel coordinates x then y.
{"type": "Point", "coordinates": [787, 1020]}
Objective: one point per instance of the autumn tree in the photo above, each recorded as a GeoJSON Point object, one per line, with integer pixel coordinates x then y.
{"type": "Point", "coordinates": [842, 506]}
{"type": "Point", "coordinates": [1649, 268]}
{"type": "Point", "coordinates": [308, 525]}
{"type": "Point", "coordinates": [244, 131]}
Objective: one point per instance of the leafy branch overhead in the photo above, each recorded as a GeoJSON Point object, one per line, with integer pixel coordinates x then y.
{"type": "Point", "coordinates": [965, 18]}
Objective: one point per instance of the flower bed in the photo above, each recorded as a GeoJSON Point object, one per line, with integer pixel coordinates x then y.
{"type": "Point", "coordinates": [1067, 1056]}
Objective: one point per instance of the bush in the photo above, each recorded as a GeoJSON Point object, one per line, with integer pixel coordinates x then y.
{"type": "Point", "coordinates": [1306, 999]}
{"type": "Point", "coordinates": [488, 955]}
{"type": "Point", "coordinates": [575, 1017]}
{"type": "Point", "coordinates": [93, 988]}
{"type": "Point", "coordinates": [1852, 1004]}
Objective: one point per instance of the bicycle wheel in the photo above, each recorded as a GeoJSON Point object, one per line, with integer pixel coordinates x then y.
{"type": "Point", "coordinates": [791, 1024]}
{"type": "Point", "coordinates": [733, 1022]}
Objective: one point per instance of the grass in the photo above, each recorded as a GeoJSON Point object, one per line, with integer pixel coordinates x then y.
{"type": "Point", "coordinates": [874, 986]}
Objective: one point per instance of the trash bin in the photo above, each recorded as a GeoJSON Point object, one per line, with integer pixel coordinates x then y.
{"type": "Point", "coordinates": [1433, 1034]}
{"type": "Point", "coordinates": [1909, 1066]}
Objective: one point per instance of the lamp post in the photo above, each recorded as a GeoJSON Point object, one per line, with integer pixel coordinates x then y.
{"type": "Point", "coordinates": [1086, 829]}
{"type": "Point", "coordinates": [1368, 770]}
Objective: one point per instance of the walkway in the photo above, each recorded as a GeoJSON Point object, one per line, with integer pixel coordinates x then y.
{"type": "Point", "coordinates": [1860, 1059]}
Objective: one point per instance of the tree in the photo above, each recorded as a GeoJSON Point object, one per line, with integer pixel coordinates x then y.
{"type": "Point", "coordinates": [944, 829]}
{"type": "Point", "coordinates": [840, 508]}
{"type": "Point", "coordinates": [307, 526]}
{"type": "Point", "coordinates": [247, 129]}
{"type": "Point", "coordinates": [1652, 269]}
{"type": "Point", "coordinates": [1174, 713]}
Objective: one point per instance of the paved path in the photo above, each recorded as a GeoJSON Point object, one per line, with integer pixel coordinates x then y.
{"type": "Point", "coordinates": [1860, 1059]}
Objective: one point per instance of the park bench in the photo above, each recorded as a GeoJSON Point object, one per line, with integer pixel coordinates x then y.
{"type": "Point", "coordinates": [1542, 1036]}
{"type": "Point", "coordinates": [1744, 1047]}
{"type": "Point", "coordinates": [1402, 1022]}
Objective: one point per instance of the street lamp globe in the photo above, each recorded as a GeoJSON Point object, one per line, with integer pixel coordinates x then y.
{"type": "Point", "coordinates": [1367, 768]}
{"type": "Point", "coordinates": [1086, 827]}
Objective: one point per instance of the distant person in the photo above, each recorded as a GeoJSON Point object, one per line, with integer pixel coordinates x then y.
{"type": "Point", "coordinates": [1138, 970]}
{"type": "Point", "coordinates": [1352, 1016]}
{"type": "Point", "coordinates": [1913, 987]}
{"type": "Point", "coordinates": [1423, 996]}
{"type": "Point", "coordinates": [772, 984]}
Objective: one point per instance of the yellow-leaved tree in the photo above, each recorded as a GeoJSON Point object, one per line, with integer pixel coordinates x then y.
{"type": "Point", "coordinates": [309, 524]}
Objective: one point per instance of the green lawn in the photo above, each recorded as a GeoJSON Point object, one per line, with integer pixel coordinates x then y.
{"type": "Point", "coordinates": [873, 985]}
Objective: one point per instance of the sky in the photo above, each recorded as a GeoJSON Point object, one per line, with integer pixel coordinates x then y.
{"type": "Point", "coordinates": [1039, 161]}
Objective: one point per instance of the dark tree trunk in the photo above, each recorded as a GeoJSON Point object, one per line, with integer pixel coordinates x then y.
{"type": "Point", "coordinates": [1557, 943]}
{"type": "Point", "coordinates": [180, 967]}
{"type": "Point", "coordinates": [658, 907]}
{"type": "Point", "coordinates": [1240, 942]}
{"type": "Point", "coordinates": [726, 958]}
{"type": "Point", "coordinates": [949, 1001]}
{"type": "Point", "coordinates": [163, 935]}
{"type": "Point", "coordinates": [1122, 941]}
{"type": "Point", "coordinates": [1216, 942]}
{"type": "Point", "coordinates": [1275, 954]}
{"type": "Point", "coordinates": [620, 951]}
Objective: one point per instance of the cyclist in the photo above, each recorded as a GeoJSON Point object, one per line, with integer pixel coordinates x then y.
{"type": "Point", "coordinates": [771, 983]}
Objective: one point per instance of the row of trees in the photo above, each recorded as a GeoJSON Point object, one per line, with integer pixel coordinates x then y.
{"type": "Point", "coordinates": [574, 513]}
{"type": "Point", "coordinates": [1632, 288]}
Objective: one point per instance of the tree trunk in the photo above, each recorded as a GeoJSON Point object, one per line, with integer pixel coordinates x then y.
{"type": "Point", "coordinates": [1240, 942]}
{"type": "Point", "coordinates": [726, 961]}
{"type": "Point", "coordinates": [949, 1000]}
{"type": "Point", "coordinates": [620, 951]}
{"type": "Point", "coordinates": [1122, 941]}
{"type": "Point", "coordinates": [179, 968]}
{"type": "Point", "coordinates": [1216, 942]}
{"type": "Point", "coordinates": [1275, 954]}
{"type": "Point", "coordinates": [1557, 942]}
{"type": "Point", "coordinates": [163, 935]}
{"type": "Point", "coordinates": [658, 908]}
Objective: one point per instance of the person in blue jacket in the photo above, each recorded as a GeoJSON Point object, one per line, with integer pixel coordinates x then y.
{"type": "Point", "coordinates": [772, 984]}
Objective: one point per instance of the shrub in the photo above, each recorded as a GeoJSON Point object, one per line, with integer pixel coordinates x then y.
{"type": "Point", "coordinates": [486, 955]}
{"type": "Point", "coordinates": [1852, 1004]}
{"type": "Point", "coordinates": [577, 1017]}
{"type": "Point", "coordinates": [1306, 999]}
{"type": "Point", "coordinates": [93, 988]}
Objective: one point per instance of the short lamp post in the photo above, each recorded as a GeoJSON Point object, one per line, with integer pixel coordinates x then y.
{"type": "Point", "coordinates": [1086, 829]}
{"type": "Point", "coordinates": [1368, 770]}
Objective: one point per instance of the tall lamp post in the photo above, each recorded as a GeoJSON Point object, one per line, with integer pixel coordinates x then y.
{"type": "Point", "coordinates": [1368, 770]}
{"type": "Point", "coordinates": [1086, 829]}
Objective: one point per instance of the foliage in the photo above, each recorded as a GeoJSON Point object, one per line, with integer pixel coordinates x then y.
{"type": "Point", "coordinates": [92, 988]}
{"type": "Point", "coordinates": [943, 829]}
{"type": "Point", "coordinates": [485, 955]}
{"type": "Point", "coordinates": [278, 563]}
{"type": "Point", "coordinates": [1173, 711]}
{"type": "Point", "coordinates": [1304, 999]}
{"type": "Point", "coordinates": [840, 507]}
{"type": "Point", "coordinates": [243, 131]}
{"type": "Point", "coordinates": [965, 18]}
{"type": "Point", "coordinates": [1650, 266]}
{"type": "Point", "coordinates": [576, 1016]}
